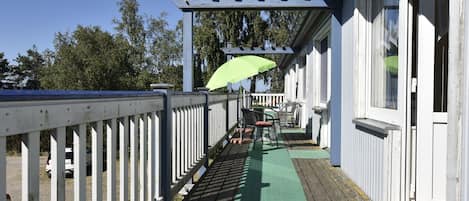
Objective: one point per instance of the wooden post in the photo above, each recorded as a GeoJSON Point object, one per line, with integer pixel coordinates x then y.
{"type": "Point", "coordinates": [188, 51]}
{"type": "Point", "coordinates": [165, 146]}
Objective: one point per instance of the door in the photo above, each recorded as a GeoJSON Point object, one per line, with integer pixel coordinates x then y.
{"type": "Point", "coordinates": [431, 110]}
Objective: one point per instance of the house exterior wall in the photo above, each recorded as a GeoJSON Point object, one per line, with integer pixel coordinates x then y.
{"type": "Point", "coordinates": [373, 160]}
{"type": "Point", "coordinates": [383, 163]}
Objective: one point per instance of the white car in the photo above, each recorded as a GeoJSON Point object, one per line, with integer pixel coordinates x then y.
{"type": "Point", "coordinates": [68, 162]}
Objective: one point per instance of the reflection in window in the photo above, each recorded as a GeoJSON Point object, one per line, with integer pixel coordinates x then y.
{"type": "Point", "coordinates": [440, 95]}
{"type": "Point", "coordinates": [385, 39]}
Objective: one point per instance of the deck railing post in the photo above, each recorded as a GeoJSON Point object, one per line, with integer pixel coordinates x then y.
{"type": "Point", "coordinates": [165, 146]}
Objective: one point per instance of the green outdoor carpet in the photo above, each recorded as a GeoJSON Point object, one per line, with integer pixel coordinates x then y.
{"type": "Point", "coordinates": [270, 175]}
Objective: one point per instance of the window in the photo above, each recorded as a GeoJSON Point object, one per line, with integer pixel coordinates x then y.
{"type": "Point", "coordinates": [440, 95]}
{"type": "Point", "coordinates": [323, 52]}
{"type": "Point", "coordinates": [320, 57]}
{"type": "Point", "coordinates": [381, 60]}
{"type": "Point", "coordinates": [384, 53]}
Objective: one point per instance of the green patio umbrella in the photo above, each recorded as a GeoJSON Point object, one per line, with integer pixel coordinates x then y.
{"type": "Point", "coordinates": [239, 69]}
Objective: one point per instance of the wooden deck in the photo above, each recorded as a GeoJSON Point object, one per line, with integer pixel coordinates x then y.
{"type": "Point", "coordinates": [320, 181]}
{"type": "Point", "coordinates": [222, 180]}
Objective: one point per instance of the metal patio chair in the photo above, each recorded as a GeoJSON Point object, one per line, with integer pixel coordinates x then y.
{"type": "Point", "coordinates": [288, 114]}
{"type": "Point", "coordinates": [259, 121]}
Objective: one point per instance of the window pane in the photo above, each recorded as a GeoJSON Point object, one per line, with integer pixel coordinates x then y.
{"type": "Point", "coordinates": [323, 51]}
{"type": "Point", "coordinates": [385, 38]}
{"type": "Point", "coordinates": [440, 95]}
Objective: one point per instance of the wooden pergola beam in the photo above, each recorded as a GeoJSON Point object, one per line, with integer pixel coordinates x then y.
{"type": "Point", "coordinates": [257, 50]}
{"type": "Point", "coordinates": [252, 4]}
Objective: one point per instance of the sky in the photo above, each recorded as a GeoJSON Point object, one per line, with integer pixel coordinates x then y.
{"type": "Point", "coordinates": [34, 22]}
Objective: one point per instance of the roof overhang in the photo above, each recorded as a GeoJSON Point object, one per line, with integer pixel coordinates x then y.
{"type": "Point", "coordinates": [304, 34]}
{"type": "Point", "coordinates": [253, 4]}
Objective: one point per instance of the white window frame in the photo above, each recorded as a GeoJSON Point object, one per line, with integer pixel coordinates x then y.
{"type": "Point", "coordinates": [363, 62]}
{"type": "Point", "coordinates": [323, 32]}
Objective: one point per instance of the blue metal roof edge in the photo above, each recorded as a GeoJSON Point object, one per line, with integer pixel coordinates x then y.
{"type": "Point", "coordinates": [28, 95]}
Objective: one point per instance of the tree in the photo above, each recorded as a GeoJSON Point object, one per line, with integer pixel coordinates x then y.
{"type": "Point", "coordinates": [165, 45]}
{"type": "Point", "coordinates": [131, 27]}
{"type": "Point", "coordinates": [31, 63]}
{"type": "Point", "coordinates": [3, 64]}
{"type": "Point", "coordinates": [90, 59]}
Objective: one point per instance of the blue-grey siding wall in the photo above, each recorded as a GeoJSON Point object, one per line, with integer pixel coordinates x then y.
{"type": "Point", "coordinates": [336, 86]}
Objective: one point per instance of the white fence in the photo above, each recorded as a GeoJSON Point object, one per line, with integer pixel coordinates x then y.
{"type": "Point", "coordinates": [164, 139]}
{"type": "Point", "coordinates": [267, 100]}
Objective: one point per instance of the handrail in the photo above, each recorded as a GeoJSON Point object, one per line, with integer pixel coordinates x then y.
{"type": "Point", "coordinates": [160, 135]}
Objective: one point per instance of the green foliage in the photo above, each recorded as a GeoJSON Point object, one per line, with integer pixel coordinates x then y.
{"type": "Point", "coordinates": [213, 30]}
{"type": "Point", "coordinates": [31, 63]}
{"type": "Point", "coordinates": [131, 26]}
{"type": "Point", "coordinates": [3, 64]}
{"type": "Point", "coordinates": [165, 44]}
{"type": "Point", "coordinates": [90, 59]}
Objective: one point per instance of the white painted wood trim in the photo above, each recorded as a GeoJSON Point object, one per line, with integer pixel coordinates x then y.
{"type": "Point", "coordinates": [3, 170]}
{"type": "Point", "coordinates": [426, 38]}
{"type": "Point", "coordinates": [143, 156]}
{"type": "Point", "coordinates": [440, 117]}
{"type": "Point", "coordinates": [97, 161]}
{"type": "Point", "coordinates": [134, 129]}
{"type": "Point", "coordinates": [57, 143]}
{"type": "Point", "coordinates": [79, 160]}
{"type": "Point", "coordinates": [42, 115]}
{"type": "Point", "coordinates": [174, 148]}
{"type": "Point", "coordinates": [111, 135]}
{"type": "Point", "coordinates": [156, 162]}
{"type": "Point", "coordinates": [30, 159]}
{"type": "Point", "coordinates": [124, 158]}
{"type": "Point", "coordinates": [151, 156]}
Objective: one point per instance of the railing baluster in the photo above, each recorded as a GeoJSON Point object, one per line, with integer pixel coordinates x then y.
{"type": "Point", "coordinates": [111, 135]}
{"type": "Point", "coordinates": [178, 145]}
{"type": "Point", "coordinates": [97, 161]}
{"type": "Point", "coordinates": [124, 158]}
{"type": "Point", "coordinates": [134, 157]}
{"type": "Point", "coordinates": [143, 156]}
{"type": "Point", "coordinates": [30, 166]}
{"type": "Point", "coordinates": [157, 156]}
{"type": "Point", "coordinates": [199, 127]}
{"type": "Point", "coordinates": [184, 141]}
{"type": "Point", "coordinates": [174, 148]}
{"type": "Point", "coordinates": [79, 161]}
{"type": "Point", "coordinates": [201, 131]}
{"type": "Point", "coordinates": [57, 143]}
{"type": "Point", "coordinates": [151, 168]}
{"type": "Point", "coordinates": [192, 133]}
{"type": "Point", "coordinates": [181, 142]}
{"type": "Point", "coordinates": [3, 165]}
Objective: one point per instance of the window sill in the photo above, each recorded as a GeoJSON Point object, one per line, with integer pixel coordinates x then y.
{"type": "Point", "coordinates": [319, 109]}
{"type": "Point", "coordinates": [375, 127]}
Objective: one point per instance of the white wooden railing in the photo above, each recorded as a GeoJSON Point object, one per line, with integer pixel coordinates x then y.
{"type": "Point", "coordinates": [163, 137]}
{"type": "Point", "coordinates": [267, 100]}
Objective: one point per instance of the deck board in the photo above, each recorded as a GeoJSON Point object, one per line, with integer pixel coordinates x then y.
{"type": "Point", "coordinates": [222, 179]}
{"type": "Point", "coordinates": [323, 182]}
{"type": "Point", "coordinates": [227, 178]}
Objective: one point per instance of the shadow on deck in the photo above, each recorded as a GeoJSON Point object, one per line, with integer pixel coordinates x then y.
{"type": "Point", "coordinates": [296, 170]}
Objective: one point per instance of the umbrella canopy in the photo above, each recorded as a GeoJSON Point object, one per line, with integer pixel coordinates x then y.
{"type": "Point", "coordinates": [239, 69]}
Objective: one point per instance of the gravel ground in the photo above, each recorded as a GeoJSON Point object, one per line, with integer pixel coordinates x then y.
{"type": "Point", "coordinates": [14, 181]}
